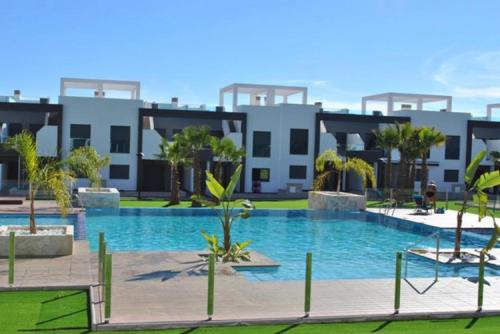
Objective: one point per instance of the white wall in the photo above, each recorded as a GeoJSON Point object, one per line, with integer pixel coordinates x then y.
{"type": "Point", "coordinates": [46, 141]}
{"type": "Point", "coordinates": [101, 113]}
{"type": "Point", "coordinates": [451, 124]}
{"type": "Point", "coordinates": [279, 120]}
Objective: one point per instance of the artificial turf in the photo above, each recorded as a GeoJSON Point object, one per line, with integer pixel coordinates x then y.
{"type": "Point", "coordinates": [66, 312]}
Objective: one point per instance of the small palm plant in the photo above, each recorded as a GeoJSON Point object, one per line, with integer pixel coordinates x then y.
{"type": "Point", "coordinates": [427, 138]}
{"type": "Point", "coordinates": [84, 161]}
{"type": "Point", "coordinates": [387, 140]}
{"type": "Point", "coordinates": [227, 216]}
{"type": "Point", "coordinates": [41, 174]}
{"type": "Point", "coordinates": [477, 188]}
{"type": "Point", "coordinates": [225, 150]}
{"type": "Point", "coordinates": [176, 154]}
{"type": "Point", "coordinates": [329, 162]}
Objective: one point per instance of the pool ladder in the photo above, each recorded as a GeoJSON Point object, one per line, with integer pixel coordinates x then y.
{"type": "Point", "coordinates": [406, 252]}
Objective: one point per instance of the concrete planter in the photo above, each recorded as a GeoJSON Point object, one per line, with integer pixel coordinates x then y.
{"type": "Point", "coordinates": [38, 245]}
{"type": "Point", "coordinates": [329, 200]}
{"type": "Point", "coordinates": [99, 197]}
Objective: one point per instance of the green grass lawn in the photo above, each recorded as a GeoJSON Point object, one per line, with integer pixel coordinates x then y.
{"type": "Point", "coordinates": [66, 312]}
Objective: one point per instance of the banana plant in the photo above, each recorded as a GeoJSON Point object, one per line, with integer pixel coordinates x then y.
{"type": "Point", "coordinates": [476, 187]}
{"type": "Point", "coordinates": [227, 211]}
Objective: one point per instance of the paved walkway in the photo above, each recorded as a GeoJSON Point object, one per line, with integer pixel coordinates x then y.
{"type": "Point", "coordinates": [41, 207]}
{"type": "Point", "coordinates": [445, 220]}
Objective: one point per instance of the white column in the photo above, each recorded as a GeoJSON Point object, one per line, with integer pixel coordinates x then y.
{"type": "Point", "coordinates": [285, 98]}
{"type": "Point", "coordinates": [390, 104]}
{"type": "Point", "coordinates": [235, 98]}
{"type": "Point", "coordinates": [221, 98]}
{"type": "Point", "coordinates": [304, 96]}
{"type": "Point", "coordinates": [489, 112]}
{"type": "Point", "coordinates": [270, 97]}
{"type": "Point", "coordinates": [420, 103]}
{"type": "Point", "coordinates": [363, 106]}
{"type": "Point", "coordinates": [448, 104]}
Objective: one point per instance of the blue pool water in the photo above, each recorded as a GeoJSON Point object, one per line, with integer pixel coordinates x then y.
{"type": "Point", "coordinates": [344, 245]}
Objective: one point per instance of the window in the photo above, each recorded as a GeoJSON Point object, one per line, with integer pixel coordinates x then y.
{"type": "Point", "coordinates": [260, 174]}
{"type": "Point", "coordinates": [418, 174]}
{"type": "Point", "coordinates": [261, 144]}
{"type": "Point", "coordinates": [451, 175]}
{"type": "Point", "coordinates": [118, 172]}
{"type": "Point", "coordinates": [80, 135]}
{"type": "Point", "coordinates": [15, 128]}
{"type": "Point", "coordinates": [452, 149]}
{"type": "Point", "coordinates": [120, 139]}
{"type": "Point", "coordinates": [298, 172]}
{"type": "Point", "coordinates": [162, 132]}
{"type": "Point", "coordinates": [299, 140]}
{"type": "Point", "coordinates": [34, 128]}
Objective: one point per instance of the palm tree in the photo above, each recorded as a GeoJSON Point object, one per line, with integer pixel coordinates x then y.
{"type": "Point", "coordinates": [175, 154]}
{"type": "Point", "coordinates": [405, 132]}
{"type": "Point", "coordinates": [84, 161]}
{"type": "Point", "coordinates": [477, 188]}
{"type": "Point", "coordinates": [428, 138]}
{"type": "Point", "coordinates": [41, 174]}
{"type": "Point", "coordinates": [225, 150]}
{"type": "Point", "coordinates": [329, 162]}
{"type": "Point", "coordinates": [195, 139]}
{"type": "Point", "coordinates": [387, 140]}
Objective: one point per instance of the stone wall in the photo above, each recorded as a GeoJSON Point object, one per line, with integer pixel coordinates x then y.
{"type": "Point", "coordinates": [37, 245]}
{"type": "Point", "coordinates": [99, 198]}
{"type": "Point", "coordinates": [326, 200]}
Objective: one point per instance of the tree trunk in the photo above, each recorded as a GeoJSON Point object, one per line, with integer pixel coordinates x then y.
{"type": "Point", "coordinates": [32, 210]}
{"type": "Point", "coordinates": [339, 180]}
{"type": "Point", "coordinates": [387, 176]}
{"type": "Point", "coordinates": [413, 175]}
{"type": "Point", "coordinates": [218, 172]}
{"type": "Point", "coordinates": [174, 185]}
{"type": "Point", "coordinates": [227, 238]}
{"type": "Point", "coordinates": [196, 179]}
{"type": "Point", "coordinates": [424, 175]}
{"type": "Point", "coordinates": [458, 231]}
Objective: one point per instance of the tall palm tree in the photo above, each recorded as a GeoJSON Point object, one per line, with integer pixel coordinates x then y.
{"type": "Point", "coordinates": [175, 153]}
{"type": "Point", "coordinates": [387, 139]}
{"type": "Point", "coordinates": [41, 174]}
{"type": "Point", "coordinates": [405, 132]}
{"type": "Point", "coordinates": [85, 161]}
{"type": "Point", "coordinates": [428, 138]}
{"type": "Point", "coordinates": [225, 150]}
{"type": "Point", "coordinates": [329, 162]}
{"type": "Point", "coordinates": [195, 139]}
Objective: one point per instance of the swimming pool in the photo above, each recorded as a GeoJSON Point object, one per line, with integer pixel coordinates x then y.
{"type": "Point", "coordinates": [345, 245]}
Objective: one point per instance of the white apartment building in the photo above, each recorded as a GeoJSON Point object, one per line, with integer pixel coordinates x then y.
{"type": "Point", "coordinates": [281, 131]}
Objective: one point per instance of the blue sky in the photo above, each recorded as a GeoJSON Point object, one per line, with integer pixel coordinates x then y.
{"type": "Point", "coordinates": [341, 50]}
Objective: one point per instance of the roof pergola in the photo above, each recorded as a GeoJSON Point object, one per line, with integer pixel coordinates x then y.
{"type": "Point", "coordinates": [134, 87]}
{"type": "Point", "coordinates": [256, 91]}
{"type": "Point", "coordinates": [489, 109]}
{"type": "Point", "coordinates": [418, 99]}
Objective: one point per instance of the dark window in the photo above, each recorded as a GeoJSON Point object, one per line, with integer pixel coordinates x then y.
{"type": "Point", "coordinates": [15, 128]}
{"type": "Point", "coordinates": [418, 174]}
{"type": "Point", "coordinates": [162, 132]}
{"type": "Point", "coordinates": [217, 133]}
{"type": "Point", "coordinates": [120, 139]}
{"type": "Point", "coordinates": [261, 144]}
{"type": "Point", "coordinates": [451, 175]}
{"type": "Point", "coordinates": [34, 128]}
{"type": "Point", "coordinates": [370, 141]}
{"type": "Point", "coordinates": [80, 135]}
{"type": "Point", "coordinates": [118, 172]}
{"type": "Point", "coordinates": [299, 140]}
{"type": "Point", "coordinates": [298, 172]}
{"type": "Point", "coordinates": [260, 174]}
{"type": "Point", "coordinates": [341, 138]}
{"type": "Point", "coordinates": [452, 149]}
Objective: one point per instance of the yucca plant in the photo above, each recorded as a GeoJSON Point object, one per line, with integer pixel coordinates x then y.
{"type": "Point", "coordinates": [329, 162]}
{"type": "Point", "coordinates": [228, 212]}
{"type": "Point", "coordinates": [476, 187]}
{"type": "Point", "coordinates": [85, 162]}
{"type": "Point", "coordinates": [41, 174]}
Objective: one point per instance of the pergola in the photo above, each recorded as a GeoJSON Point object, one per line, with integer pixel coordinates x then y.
{"type": "Point", "coordinates": [99, 86]}
{"type": "Point", "coordinates": [270, 92]}
{"type": "Point", "coordinates": [391, 98]}
{"type": "Point", "coordinates": [489, 109]}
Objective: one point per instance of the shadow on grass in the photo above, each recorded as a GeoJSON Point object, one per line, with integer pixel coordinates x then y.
{"type": "Point", "coordinates": [62, 297]}
{"type": "Point", "coordinates": [84, 330]}
{"type": "Point", "coordinates": [382, 326]}
{"type": "Point", "coordinates": [62, 316]}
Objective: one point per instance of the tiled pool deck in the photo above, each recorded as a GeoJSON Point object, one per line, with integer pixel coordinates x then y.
{"type": "Point", "coordinates": [161, 289]}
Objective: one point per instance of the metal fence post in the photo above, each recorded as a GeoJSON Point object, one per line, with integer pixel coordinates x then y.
{"type": "Point", "coordinates": [307, 301]}
{"type": "Point", "coordinates": [107, 291]}
{"type": "Point", "coordinates": [436, 266]}
{"type": "Point", "coordinates": [397, 291]}
{"type": "Point", "coordinates": [102, 278]}
{"type": "Point", "coordinates": [100, 266]}
{"type": "Point", "coordinates": [211, 281]}
{"type": "Point", "coordinates": [12, 256]}
{"type": "Point", "coordinates": [480, 283]}
{"type": "Point", "coordinates": [446, 200]}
